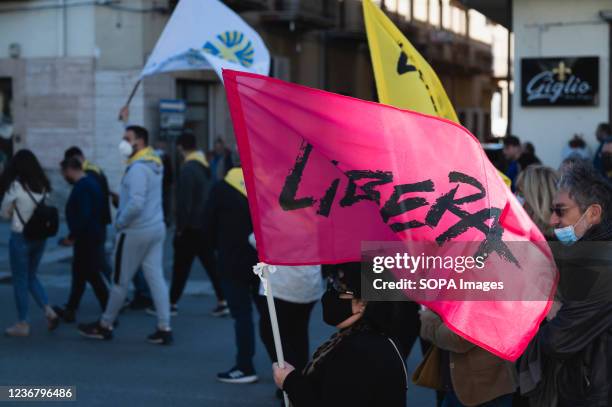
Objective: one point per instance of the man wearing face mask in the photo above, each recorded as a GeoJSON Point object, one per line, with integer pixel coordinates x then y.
{"type": "Point", "coordinates": [576, 344]}
{"type": "Point", "coordinates": [140, 237]}
{"type": "Point", "coordinates": [361, 364]}
{"type": "Point", "coordinates": [86, 222]}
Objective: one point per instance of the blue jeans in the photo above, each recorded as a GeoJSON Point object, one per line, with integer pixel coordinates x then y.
{"type": "Point", "coordinates": [25, 257]}
{"type": "Point", "coordinates": [240, 297]}
{"type": "Point", "coordinates": [451, 400]}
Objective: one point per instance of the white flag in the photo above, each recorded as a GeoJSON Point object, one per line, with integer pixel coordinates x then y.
{"type": "Point", "coordinates": [206, 33]}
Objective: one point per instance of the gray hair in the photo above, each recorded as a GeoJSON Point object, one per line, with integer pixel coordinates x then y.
{"type": "Point", "coordinates": [587, 187]}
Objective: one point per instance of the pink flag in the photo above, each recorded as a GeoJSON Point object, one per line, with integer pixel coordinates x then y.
{"type": "Point", "coordinates": [325, 173]}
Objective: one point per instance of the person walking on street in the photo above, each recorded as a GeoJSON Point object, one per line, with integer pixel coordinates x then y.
{"type": "Point", "coordinates": [228, 224]}
{"type": "Point", "coordinates": [141, 232]}
{"type": "Point", "coordinates": [25, 186]}
{"type": "Point", "coordinates": [86, 222]}
{"type": "Point", "coordinates": [97, 173]}
{"type": "Point", "coordinates": [193, 185]}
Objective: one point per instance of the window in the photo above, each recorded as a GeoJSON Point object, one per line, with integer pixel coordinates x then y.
{"type": "Point", "coordinates": [421, 10]}
{"type": "Point", "coordinates": [434, 13]}
{"type": "Point", "coordinates": [197, 119]}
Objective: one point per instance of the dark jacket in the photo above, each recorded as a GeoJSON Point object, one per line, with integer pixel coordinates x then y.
{"type": "Point", "coordinates": [363, 370]}
{"type": "Point", "coordinates": [227, 224]}
{"type": "Point", "coordinates": [192, 192]}
{"type": "Point", "coordinates": [597, 160]}
{"type": "Point", "coordinates": [220, 164]}
{"type": "Point", "coordinates": [103, 182]}
{"type": "Point", "coordinates": [85, 210]}
{"type": "Point", "coordinates": [577, 342]}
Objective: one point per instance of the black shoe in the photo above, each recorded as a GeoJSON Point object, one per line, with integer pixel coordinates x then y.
{"type": "Point", "coordinates": [68, 315]}
{"type": "Point", "coordinates": [95, 331]}
{"type": "Point", "coordinates": [160, 337]}
{"type": "Point", "coordinates": [140, 302]}
{"type": "Point", "coordinates": [237, 376]}
{"type": "Point", "coordinates": [220, 311]}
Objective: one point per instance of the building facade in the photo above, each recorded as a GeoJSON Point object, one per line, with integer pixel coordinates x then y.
{"type": "Point", "coordinates": [561, 69]}
{"type": "Point", "coordinates": [67, 66]}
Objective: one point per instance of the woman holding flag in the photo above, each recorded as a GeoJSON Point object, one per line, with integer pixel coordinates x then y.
{"type": "Point", "coordinates": [361, 364]}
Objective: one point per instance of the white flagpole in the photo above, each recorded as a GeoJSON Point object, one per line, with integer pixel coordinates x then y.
{"type": "Point", "coordinates": [274, 322]}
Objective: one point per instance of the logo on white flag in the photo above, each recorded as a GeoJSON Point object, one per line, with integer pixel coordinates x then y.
{"type": "Point", "coordinates": [205, 34]}
{"type": "Point", "coordinates": [232, 46]}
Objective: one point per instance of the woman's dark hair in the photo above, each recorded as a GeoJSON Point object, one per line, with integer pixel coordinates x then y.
{"type": "Point", "coordinates": [25, 168]}
{"type": "Point", "coordinates": [577, 142]}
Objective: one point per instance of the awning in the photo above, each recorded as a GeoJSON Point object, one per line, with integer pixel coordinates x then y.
{"type": "Point", "coordinates": [496, 10]}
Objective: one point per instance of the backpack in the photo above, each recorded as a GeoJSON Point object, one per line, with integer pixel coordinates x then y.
{"type": "Point", "coordinates": [44, 222]}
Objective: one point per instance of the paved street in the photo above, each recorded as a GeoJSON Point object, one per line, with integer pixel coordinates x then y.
{"type": "Point", "coordinates": [127, 371]}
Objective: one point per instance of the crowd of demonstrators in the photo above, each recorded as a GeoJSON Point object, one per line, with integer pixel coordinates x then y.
{"type": "Point", "coordinates": [25, 186]}
{"type": "Point", "coordinates": [192, 188]}
{"type": "Point", "coordinates": [85, 215]}
{"type": "Point", "coordinates": [568, 363]}
{"type": "Point", "coordinates": [141, 234]}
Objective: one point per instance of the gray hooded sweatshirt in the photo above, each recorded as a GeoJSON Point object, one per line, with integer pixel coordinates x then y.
{"type": "Point", "coordinates": [140, 198]}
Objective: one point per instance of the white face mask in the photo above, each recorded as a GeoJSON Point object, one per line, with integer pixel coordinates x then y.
{"type": "Point", "coordinates": [125, 149]}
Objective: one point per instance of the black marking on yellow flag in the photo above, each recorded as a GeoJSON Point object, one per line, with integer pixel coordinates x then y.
{"type": "Point", "coordinates": [402, 64]}
{"type": "Point", "coordinates": [404, 67]}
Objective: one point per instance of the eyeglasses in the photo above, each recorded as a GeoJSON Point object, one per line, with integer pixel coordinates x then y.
{"type": "Point", "coordinates": [560, 210]}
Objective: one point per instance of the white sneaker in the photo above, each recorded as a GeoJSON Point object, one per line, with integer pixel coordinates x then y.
{"type": "Point", "coordinates": [20, 329]}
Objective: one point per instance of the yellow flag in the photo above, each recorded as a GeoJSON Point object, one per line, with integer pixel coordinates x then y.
{"type": "Point", "coordinates": [403, 78]}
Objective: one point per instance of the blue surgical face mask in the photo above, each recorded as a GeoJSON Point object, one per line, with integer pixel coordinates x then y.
{"type": "Point", "coordinates": [567, 235]}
